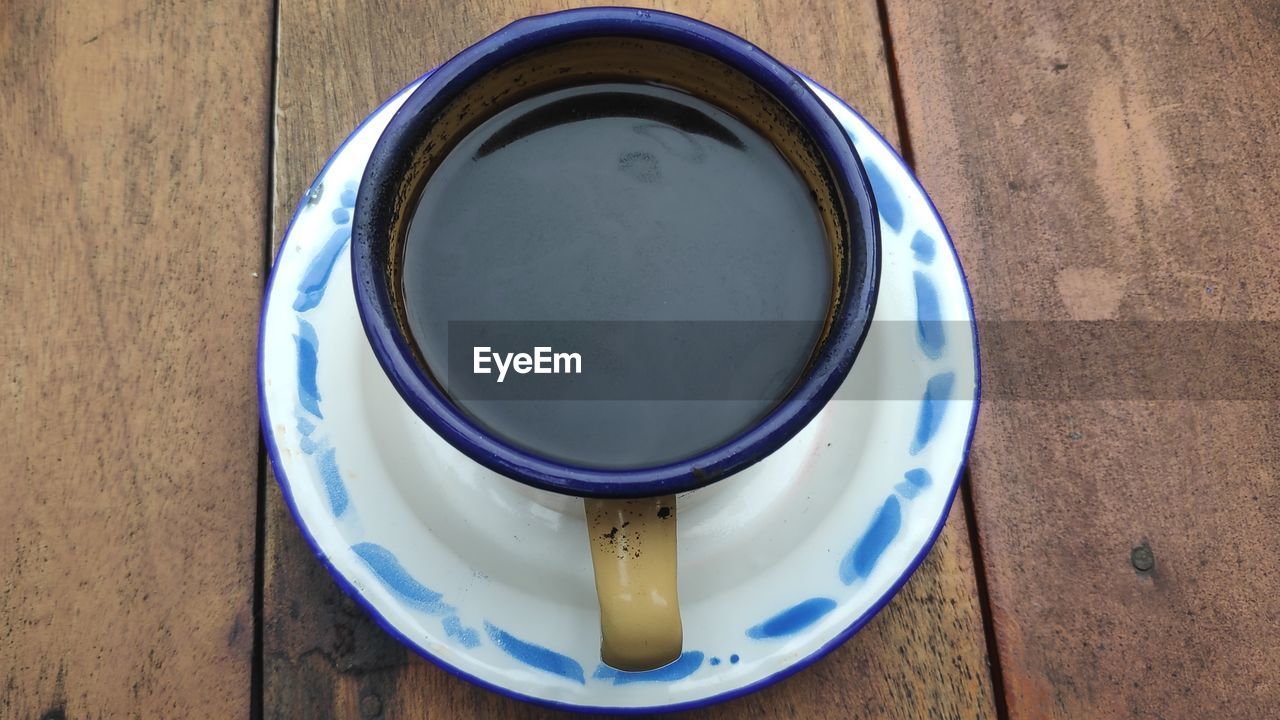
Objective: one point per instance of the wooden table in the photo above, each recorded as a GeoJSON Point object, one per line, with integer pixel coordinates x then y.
{"type": "Point", "coordinates": [1097, 160]}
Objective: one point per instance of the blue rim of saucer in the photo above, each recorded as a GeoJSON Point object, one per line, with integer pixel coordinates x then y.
{"type": "Point", "coordinates": [833, 358]}
{"type": "Point", "coordinates": [273, 453]}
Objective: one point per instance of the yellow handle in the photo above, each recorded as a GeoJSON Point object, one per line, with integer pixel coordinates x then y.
{"type": "Point", "coordinates": [633, 549]}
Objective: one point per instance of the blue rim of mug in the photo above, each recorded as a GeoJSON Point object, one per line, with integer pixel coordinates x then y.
{"type": "Point", "coordinates": [273, 455]}
{"type": "Point", "coordinates": [832, 360]}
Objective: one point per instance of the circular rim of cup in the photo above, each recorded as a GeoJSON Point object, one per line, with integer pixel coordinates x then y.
{"type": "Point", "coordinates": [832, 361]}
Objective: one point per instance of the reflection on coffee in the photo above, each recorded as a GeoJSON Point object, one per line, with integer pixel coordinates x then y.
{"type": "Point", "coordinates": [619, 201]}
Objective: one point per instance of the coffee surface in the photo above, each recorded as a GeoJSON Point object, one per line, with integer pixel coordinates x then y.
{"type": "Point", "coordinates": [607, 203]}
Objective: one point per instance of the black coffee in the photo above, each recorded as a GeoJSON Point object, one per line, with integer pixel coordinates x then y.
{"type": "Point", "coordinates": [620, 202]}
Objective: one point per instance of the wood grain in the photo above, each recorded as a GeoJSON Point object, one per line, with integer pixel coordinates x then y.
{"type": "Point", "coordinates": [134, 139]}
{"type": "Point", "coordinates": [924, 656]}
{"type": "Point", "coordinates": [1115, 161]}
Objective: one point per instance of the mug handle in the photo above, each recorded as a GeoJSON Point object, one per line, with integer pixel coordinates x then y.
{"type": "Point", "coordinates": [633, 551]}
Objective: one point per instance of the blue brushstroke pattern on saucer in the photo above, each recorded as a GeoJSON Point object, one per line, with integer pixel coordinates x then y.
{"type": "Point", "coordinates": [397, 579]}
{"type": "Point", "coordinates": [536, 656]}
{"type": "Point", "coordinates": [930, 334]}
{"type": "Point", "coordinates": [682, 667]}
{"type": "Point", "coordinates": [917, 479]}
{"type": "Point", "coordinates": [862, 558]}
{"type": "Point", "coordinates": [308, 344]}
{"type": "Point", "coordinates": [934, 403]}
{"type": "Point", "coordinates": [793, 619]}
{"type": "Point", "coordinates": [887, 201]}
{"type": "Point", "coordinates": [922, 246]}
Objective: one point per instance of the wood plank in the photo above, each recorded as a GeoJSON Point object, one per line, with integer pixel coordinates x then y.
{"type": "Point", "coordinates": [923, 656]}
{"type": "Point", "coordinates": [1115, 161]}
{"type": "Point", "coordinates": [135, 140]}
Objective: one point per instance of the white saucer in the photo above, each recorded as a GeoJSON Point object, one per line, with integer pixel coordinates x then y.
{"type": "Point", "coordinates": [492, 579]}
